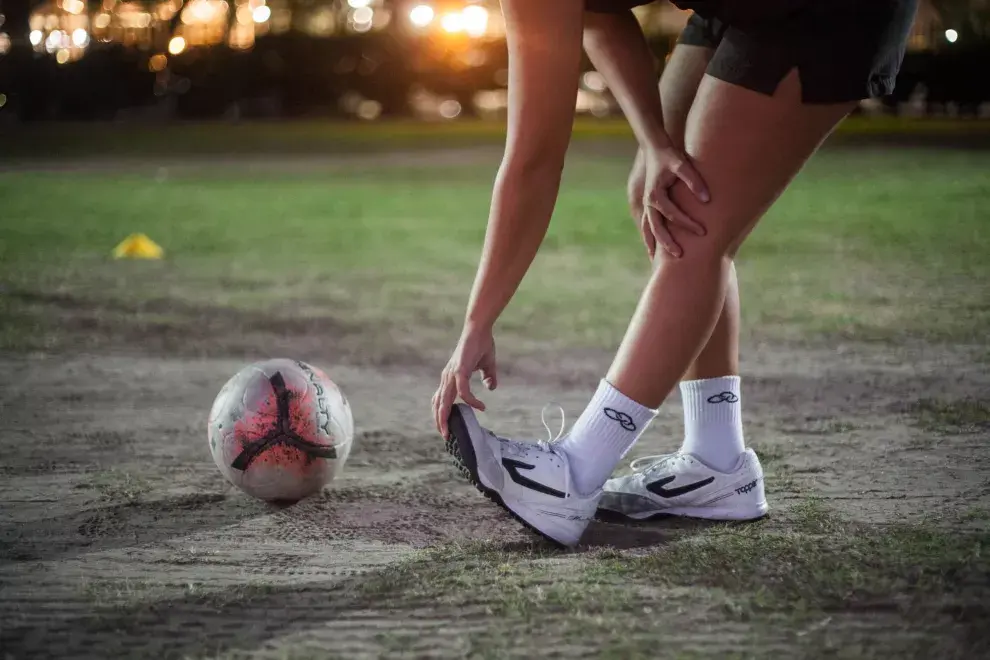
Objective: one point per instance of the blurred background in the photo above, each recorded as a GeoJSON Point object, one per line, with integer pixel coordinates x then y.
{"type": "Point", "coordinates": [366, 60]}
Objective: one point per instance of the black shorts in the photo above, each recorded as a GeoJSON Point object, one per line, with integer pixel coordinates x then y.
{"type": "Point", "coordinates": [844, 50]}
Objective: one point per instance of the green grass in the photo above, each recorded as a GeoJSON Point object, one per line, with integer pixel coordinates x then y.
{"type": "Point", "coordinates": [866, 245]}
{"type": "Point", "coordinates": [321, 137]}
{"type": "Point", "coordinates": [814, 584]}
{"type": "Point", "coordinates": [975, 514]}
{"type": "Point", "coordinates": [787, 581]}
{"type": "Point", "coordinates": [779, 476]}
{"type": "Point", "coordinates": [961, 416]}
{"type": "Point", "coordinates": [119, 486]}
{"type": "Point", "coordinates": [812, 516]}
{"type": "Point", "coordinates": [125, 592]}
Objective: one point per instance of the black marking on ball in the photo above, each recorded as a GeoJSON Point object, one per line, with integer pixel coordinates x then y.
{"type": "Point", "coordinates": [281, 433]}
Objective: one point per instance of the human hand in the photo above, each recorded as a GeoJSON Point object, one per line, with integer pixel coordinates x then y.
{"type": "Point", "coordinates": [475, 351]}
{"type": "Point", "coordinates": [636, 186]}
{"type": "Point", "coordinates": [661, 169]}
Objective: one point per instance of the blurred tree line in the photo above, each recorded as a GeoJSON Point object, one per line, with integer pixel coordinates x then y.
{"type": "Point", "coordinates": [378, 73]}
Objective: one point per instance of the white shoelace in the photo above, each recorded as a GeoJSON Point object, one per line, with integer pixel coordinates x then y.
{"type": "Point", "coordinates": [549, 443]}
{"type": "Point", "coordinates": [551, 438]}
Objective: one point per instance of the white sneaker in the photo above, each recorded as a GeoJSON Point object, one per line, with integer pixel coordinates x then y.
{"type": "Point", "coordinates": [681, 485]}
{"type": "Point", "coordinates": [532, 481]}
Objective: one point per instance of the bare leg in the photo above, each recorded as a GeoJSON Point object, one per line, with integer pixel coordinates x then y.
{"type": "Point", "coordinates": [748, 147]}
{"type": "Point", "coordinates": [678, 87]}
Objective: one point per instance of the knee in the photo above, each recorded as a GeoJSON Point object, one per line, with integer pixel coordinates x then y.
{"type": "Point", "coordinates": [712, 248]}
{"type": "Point", "coordinates": [703, 253]}
{"type": "Point", "coordinates": [726, 229]}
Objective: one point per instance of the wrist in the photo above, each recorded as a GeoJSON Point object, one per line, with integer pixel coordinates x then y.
{"type": "Point", "coordinates": [655, 145]}
{"type": "Point", "coordinates": [475, 324]}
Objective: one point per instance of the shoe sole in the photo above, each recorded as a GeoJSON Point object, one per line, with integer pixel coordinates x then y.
{"type": "Point", "coordinates": [458, 444]}
{"type": "Point", "coordinates": [698, 513]}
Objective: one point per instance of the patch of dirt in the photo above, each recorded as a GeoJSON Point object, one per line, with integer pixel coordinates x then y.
{"type": "Point", "coordinates": [170, 327]}
{"type": "Point", "coordinates": [185, 565]}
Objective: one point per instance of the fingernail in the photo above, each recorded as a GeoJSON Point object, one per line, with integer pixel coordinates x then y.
{"type": "Point", "coordinates": [704, 196]}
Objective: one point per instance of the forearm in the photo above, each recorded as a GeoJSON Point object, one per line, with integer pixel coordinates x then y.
{"type": "Point", "coordinates": [616, 46]}
{"type": "Point", "coordinates": [544, 42]}
{"type": "Point", "coordinates": [522, 204]}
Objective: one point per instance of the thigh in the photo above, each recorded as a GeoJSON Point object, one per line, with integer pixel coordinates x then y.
{"type": "Point", "coordinates": [748, 146]}
{"type": "Point", "coordinates": [679, 85]}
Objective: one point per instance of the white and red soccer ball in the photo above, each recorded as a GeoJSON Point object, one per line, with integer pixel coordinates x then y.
{"type": "Point", "coordinates": [280, 430]}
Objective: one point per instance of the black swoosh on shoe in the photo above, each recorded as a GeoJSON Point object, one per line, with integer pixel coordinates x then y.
{"type": "Point", "coordinates": [657, 487]}
{"type": "Point", "coordinates": [513, 466]}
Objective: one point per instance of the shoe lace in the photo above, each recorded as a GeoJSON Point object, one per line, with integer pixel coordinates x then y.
{"type": "Point", "coordinates": [547, 444]}
{"type": "Point", "coordinates": [645, 463]}
{"type": "Point", "coordinates": [552, 439]}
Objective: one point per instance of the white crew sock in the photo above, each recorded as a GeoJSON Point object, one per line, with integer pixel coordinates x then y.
{"type": "Point", "coordinates": [605, 431]}
{"type": "Point", "coordinates": [713, 421]}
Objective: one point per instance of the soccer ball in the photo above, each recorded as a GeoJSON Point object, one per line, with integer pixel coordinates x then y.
{"type": "Point", "coordinates": [280, 430]}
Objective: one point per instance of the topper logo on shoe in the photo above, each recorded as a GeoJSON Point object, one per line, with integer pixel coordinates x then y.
{"type": "Point", "coordinates": [624, 420]}
{"type": "Point", "coordinates": [723, 397]}
{"type": "Point", "coordinates": [742, 490]}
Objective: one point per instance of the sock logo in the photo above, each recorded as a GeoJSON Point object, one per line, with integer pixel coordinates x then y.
{"type": "Point", "coordinates": [624, 420]}
{"type": "Point", "coordinates": [723, 397]}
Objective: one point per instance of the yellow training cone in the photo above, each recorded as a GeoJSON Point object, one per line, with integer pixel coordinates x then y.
{"type": "Point", "coordinates": [138, 246]}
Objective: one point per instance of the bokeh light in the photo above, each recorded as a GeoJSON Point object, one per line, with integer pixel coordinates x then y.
{"type": "Point", "coordinates": [369, 109]}
{"type": "Point", "coordinates": [54, 41]}
{"type": "Point", "coordinates": [80, 38]}
{"type": "Point", "coordinates": [594, 81]}
{"type": "Point", "coordinates": [475, 20]}
{"type": "Point", "coordinates": [157, 62]}
{"type": "Point", "coordinates": [363, 15]}
{"type": "Point", "coordinates": [452, 22]}
{"type": "Point", "coordinates": [951, 36]}
{"type": "Point", "coordinates": [450, 109]}
{"type": "Point", "coordinates": [261, 14]}
{"type": "Point", "coordinates": [176, 45]}
{"type": "Point", "coordinates": [73, 6]}
{"type": "Point", "coordinates": [421, 15]}
{"type": "Point", "coordinates": [361, 19]}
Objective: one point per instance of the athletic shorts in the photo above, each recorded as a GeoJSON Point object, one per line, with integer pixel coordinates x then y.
{"type": "Point", "coordinates": [844, 50]}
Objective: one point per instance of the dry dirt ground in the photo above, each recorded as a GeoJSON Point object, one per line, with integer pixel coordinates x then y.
{"type": "Point", "coordinates": [119, 538]}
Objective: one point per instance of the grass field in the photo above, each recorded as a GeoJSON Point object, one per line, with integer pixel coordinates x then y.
{"type": "Point", "coordinates": [865, 379]}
